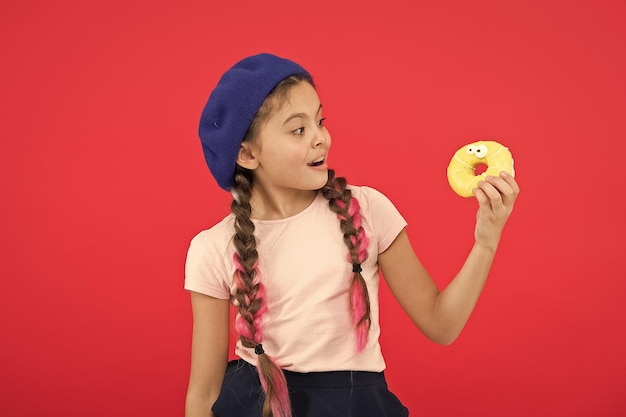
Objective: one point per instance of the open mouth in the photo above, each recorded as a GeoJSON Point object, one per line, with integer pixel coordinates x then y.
{"type": "Point", "coordinates": [316, 163]}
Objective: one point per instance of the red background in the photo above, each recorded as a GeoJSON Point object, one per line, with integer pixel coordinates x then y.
{"type": "Point", "coordinates": [103, 184]}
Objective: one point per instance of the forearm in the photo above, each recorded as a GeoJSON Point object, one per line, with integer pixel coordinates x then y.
{"type": "Point", "coordinates": [453, 306]}
{"type": "Point", "coordinates": [198, 404]}
{"type": "Point", "coordinates": [209, 354]}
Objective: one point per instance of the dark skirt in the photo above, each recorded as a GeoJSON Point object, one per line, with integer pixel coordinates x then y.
{"type": "Point", "coordinates": [315, 394]}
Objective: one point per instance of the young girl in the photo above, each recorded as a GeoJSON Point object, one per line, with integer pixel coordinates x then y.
{"type": "Point", "coordinates": [299, 257]}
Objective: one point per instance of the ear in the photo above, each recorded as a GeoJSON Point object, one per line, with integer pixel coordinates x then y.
{"type": "Point", "coordinates": [246, 157]}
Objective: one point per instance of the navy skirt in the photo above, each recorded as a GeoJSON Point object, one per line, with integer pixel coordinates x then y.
{"type": "Point", "coordinates": [315, 394]}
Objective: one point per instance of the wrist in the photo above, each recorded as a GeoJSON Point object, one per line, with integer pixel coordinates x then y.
{"type": "Point", "coordinates": [486, 246]}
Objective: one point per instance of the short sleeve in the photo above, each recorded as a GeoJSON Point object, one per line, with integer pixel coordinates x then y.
{"type": "Point", "coordinates": [385, 219]}
{"type": "Point", "coordinates": [205, 269]}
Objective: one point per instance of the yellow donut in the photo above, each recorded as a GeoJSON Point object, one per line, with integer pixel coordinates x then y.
{"type": "Point", "coordinates": [462, 169]}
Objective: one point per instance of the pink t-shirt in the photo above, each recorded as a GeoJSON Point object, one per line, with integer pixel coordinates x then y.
{"type": "Point", "coordinates": [303, 264]}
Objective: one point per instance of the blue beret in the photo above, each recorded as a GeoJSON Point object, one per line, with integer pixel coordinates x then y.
{"type": "Point", "coordinates": [232, 106]}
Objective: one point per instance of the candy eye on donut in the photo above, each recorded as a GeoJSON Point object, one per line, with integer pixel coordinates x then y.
{"type": "Point", "coordinates": [471, 149]}
{"type": "Point", "coordinates": [481, 151]}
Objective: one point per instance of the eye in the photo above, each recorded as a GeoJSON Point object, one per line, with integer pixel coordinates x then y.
{"type": "Point", "coordinates": [481, 151]}
{"type": "Point", "coordinates": [298, 131]}
{"type": "Point", "coordinates": [471, 149]}
{"type": "Point", "coordinates": [321, 121]}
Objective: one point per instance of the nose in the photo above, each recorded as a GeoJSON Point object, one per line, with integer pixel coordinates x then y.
{"type": "Point", "coordinates": [322, 137]}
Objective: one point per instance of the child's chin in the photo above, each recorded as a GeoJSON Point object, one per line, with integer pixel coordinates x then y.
{"type": "Point", "coordinates": [322, 182]}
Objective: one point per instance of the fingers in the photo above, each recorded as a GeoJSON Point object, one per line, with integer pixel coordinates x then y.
{"type": "Point", "coordinates": [499, 192]}
{"type": "Point", "coordinates": [489, 196]}
{"type": "Point", "coordinates": [508, 178]}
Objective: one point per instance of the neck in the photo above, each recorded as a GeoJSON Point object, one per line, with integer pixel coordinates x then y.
{"type": "Point", "coordinates": [277, 205]}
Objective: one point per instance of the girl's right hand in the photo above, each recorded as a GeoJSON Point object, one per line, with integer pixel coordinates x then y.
{"type": "Point", "coordinates": [496, 197]}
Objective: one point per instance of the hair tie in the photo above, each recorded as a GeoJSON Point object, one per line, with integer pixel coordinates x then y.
{"type": "Point", "coordinates": [258, 349]}
{"type": "Point", "coordinates": [356, 268]}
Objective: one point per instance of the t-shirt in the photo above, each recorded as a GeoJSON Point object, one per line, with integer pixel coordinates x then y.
{"type": "Point", "coordinates": [304, 266]}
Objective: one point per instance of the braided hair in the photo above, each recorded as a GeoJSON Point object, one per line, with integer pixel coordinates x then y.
{"type": "Point", "coordinates": [250, 292]}
{"type": "Point", "coordinates": [347, 208]}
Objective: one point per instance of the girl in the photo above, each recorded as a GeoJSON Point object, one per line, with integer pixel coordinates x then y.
{"type": "Point", "coordinates": [299, 257]}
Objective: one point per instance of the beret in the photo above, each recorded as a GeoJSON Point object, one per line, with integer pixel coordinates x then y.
{"type": "Point", "coordinates": [233, 105]}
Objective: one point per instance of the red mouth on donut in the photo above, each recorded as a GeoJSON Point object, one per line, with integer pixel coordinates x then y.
{"type": "Point", "coordinates": [480, 168]}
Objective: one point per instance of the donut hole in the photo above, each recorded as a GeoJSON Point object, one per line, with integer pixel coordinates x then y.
{"type": "Point", "coordinates": [480, 168]}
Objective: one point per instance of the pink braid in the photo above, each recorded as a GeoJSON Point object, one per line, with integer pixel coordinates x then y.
{"type": "Point", "coordinates": [250, 295]}
{"type": "Point", "coordinates": [250, 300]}
{"type": "Point", "coordinates": [271, 376]}
{"type": "Point", "coordinates": [348, 212]}
{"type": "Point", "coordinates": [280, 403]}
{"type": "Point", "coordinates": [358, 289]}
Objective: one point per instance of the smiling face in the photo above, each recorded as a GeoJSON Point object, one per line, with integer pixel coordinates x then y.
{"type": "Point", "coordinates": [289, 152]}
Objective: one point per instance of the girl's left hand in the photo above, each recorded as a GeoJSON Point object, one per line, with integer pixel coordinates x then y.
{"type": "Point", "coordinates": [496, 197]}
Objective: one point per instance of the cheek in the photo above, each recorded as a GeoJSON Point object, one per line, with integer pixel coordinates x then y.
{"type": "Point", "coordinates": [286, 159]}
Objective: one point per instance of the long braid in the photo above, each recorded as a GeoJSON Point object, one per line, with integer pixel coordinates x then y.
{"type": "Point", "coordinates": [347, 209]}
{"type": "Point", "coordinates": [250, 296]}
{"type": "Point", "coordinates": [250, 293]}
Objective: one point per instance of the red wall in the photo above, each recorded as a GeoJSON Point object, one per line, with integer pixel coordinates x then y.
{"type": "Point", "coordinates": [103, 184]}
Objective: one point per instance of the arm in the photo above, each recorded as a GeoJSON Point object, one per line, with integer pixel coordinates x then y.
{"type": "Point", "coordinates": [209, 353]}
{"type": "Point", "coordinates": [442, 315]}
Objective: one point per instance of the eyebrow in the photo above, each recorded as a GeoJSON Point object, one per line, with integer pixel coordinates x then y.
{"type": "Point", "coordinates": [301, 115]}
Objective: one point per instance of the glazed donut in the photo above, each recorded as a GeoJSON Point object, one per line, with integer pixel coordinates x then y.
{"type": "Point", "coordinates": [462, 169]}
